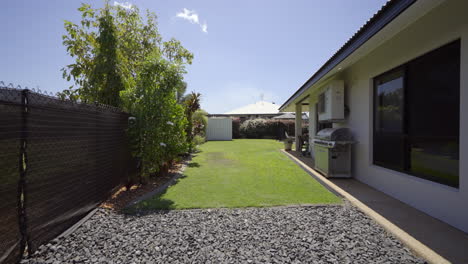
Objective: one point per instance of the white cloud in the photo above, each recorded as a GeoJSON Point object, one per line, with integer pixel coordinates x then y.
{"type": "Point", "coordinates": [125, 5]}
{"type": "Point", "coordinates": [204, 27]}
{"type": "Point", "coordinates": [192, 17]}
{"type": "Point", "coordinates": [189, 15]}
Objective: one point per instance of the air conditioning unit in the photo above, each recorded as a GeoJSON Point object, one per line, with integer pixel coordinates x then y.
{"type": "Point", "coordinates": [331, 102]}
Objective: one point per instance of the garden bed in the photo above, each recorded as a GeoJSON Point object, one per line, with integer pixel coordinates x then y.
{"type": "Point", "coordinates": [125, 195]}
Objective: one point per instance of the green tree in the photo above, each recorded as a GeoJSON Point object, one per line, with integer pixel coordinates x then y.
{"type": "Point", "coordinates": [121, 59]}
{"type": "Point", "coordinates": [109, 46]}
{"type": "Point", "coordinates": [160, 121]}
{"type": "Point", "coordinates": [108, 72]}
{"type": "Point", "coordinates": [181, 89]}
{"type": "Point", "coordinates": [200, 122]}
{"type": "Point", "coordinates": [192, 104]}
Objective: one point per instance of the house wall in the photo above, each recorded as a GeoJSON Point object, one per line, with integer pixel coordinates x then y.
{"type": "Point", "coordinates": [443, 24]}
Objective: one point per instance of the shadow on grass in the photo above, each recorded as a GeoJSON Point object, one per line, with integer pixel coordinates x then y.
{"type": "Point", "coordinates": [193, 165]}
{"type": "Point", "coordinates": [154, 203]}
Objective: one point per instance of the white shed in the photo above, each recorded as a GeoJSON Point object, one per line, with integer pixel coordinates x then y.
{"type": "Point", "coordinates": [219, 129]}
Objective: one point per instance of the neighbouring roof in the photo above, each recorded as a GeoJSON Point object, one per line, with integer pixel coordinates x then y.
{"type": "Point", "coordinates": [261, 107]}
{"type": "Point", "coordinates": [385, 15]}
{"type": "Point", "coordinates": [291, 116]}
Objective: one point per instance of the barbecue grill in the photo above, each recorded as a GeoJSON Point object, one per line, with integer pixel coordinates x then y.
{"type": "Point", "coordinates": [332, 149]}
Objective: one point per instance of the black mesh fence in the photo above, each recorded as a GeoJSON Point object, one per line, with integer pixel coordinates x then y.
{"type": "Point", "coordinates": [10, 139]}
{"type": "Point", "coordinates": [75, 156]}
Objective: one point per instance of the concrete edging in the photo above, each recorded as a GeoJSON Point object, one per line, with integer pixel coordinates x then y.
{"type": "Point", "coordinates": [78, 224]}
{"type": "Point", "coordinates": [409, 241]}
{"type": "Point", "coordinates": [156, 191]}
{"type": "Point", "coordinates": [163, 187]}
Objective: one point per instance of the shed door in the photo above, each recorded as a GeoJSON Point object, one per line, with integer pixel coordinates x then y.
{"type": "Point", "coordinates": [219, 129]}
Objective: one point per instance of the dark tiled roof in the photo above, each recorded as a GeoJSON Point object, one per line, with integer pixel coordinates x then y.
{"type": "Point", "coordinates": [379, 20]}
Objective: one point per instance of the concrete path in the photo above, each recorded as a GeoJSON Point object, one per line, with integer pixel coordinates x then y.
{"type": "Point", "coordinates": [444, 240]}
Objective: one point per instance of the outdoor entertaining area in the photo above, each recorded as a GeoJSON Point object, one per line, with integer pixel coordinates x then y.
{"type": "Point", "coordinates": [405, 107]}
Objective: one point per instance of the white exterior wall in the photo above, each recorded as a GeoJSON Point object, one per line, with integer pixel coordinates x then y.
{"type": "Point", "coordinates": [219, 129]}
{"type": "Point", "coordinates": [444, 24]}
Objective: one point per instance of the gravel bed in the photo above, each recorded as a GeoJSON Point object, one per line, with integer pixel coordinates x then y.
{"type": "Point", "coordinates": [309, 234]}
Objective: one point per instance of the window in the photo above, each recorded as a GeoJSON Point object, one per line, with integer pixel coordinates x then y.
{"type": "Point", "coordinates": [417, 116]}
{"type": "Point", "coordinates": [389, 113]}
{"type": "Point", "coordinates": [389, 133]}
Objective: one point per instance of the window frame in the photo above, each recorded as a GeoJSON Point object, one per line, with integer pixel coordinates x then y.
{"type": "Point", "coordinates": [401, 68]}
{"type": "Point", "coordinates": [405, 122]}
{"type": "Point", "coordinates": [404, 126]}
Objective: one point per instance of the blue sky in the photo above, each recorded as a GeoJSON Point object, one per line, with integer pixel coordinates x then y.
{"type": "Point", "coordinates": [243, 49]}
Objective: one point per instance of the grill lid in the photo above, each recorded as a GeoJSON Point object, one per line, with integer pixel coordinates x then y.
{"type": "Point", "coordinates": [335, 134]}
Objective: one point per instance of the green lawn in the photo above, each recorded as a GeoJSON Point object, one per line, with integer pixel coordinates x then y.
{"type": "Point", "coordinates": [241, 173]}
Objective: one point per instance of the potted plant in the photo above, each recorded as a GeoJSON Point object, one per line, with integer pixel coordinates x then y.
{"type": "Point", "coordinates": [288, 143]}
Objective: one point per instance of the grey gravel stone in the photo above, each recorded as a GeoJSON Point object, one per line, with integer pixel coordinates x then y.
{"type": "Point", "coordinates": [309, 234]}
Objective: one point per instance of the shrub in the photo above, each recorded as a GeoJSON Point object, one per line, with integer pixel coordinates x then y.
{"type": "Point", "coordinates": [158, 134]}
{"type": "Point", "coordinates": [236, 128]}
{"type": "Point", "coordinates": [261, 128]}
{"type": "Point", "coordinates": [198, 140]}
{"type": "Point", "coordinates": [200, 121]}
{"type": "Point", "coordinates": [254, 128]}
{"type": "Point", "coordinates": [192, 104]}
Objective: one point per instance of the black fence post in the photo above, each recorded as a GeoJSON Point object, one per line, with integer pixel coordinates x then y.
{"type": "Point", "coordinates": [23, 167]}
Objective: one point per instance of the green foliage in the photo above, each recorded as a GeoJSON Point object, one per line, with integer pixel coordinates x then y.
{"type": "Point", "coordinates": [198, 140]}
{"type": "Point", "coordinates": [262, 128]}
{"type": "Point", "coordinates": [254, 128]}
{"type": "Point", "coordinates": [160, 122]}
{"type": "Point", "coordinates": [121, 60]}
{"type": "Point", "coordinates": [108, 74]}
{"type": "Point", "coordinates": [99, 71]}
{"type": "Point", "coordinates": [200, 121]}
{"type": "Point", "coordinates": [180, 90]}
{"type": "Point", "coordinates": [236, 128]}
{"type": "Point", "coordinates": [192, 104]}
{"type": "Point", "coordinates": [109, 46]}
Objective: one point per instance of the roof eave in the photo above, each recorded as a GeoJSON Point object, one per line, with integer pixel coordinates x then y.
{"type": "Point", "coordinates": [385, 15]}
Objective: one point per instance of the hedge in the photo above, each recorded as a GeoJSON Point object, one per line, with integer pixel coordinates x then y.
{"type": "Point", "coordinates": [262, 128]}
